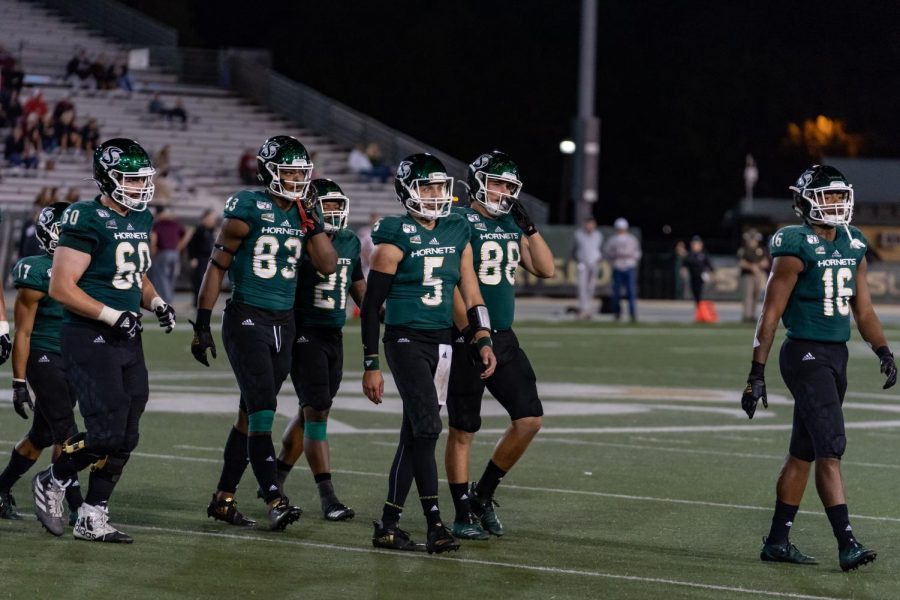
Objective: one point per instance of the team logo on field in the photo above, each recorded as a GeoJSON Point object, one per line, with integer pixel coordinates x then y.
{"type": "Point", "coordinates": [820, 250]}
{"type": "Point", "coordinates": [263, 205]}
{"type": "Point", "coordinates": [270, 217]}
{"type": "Point", "coordinates": [111, 156]}
{"type": "Point", "coordinates": [416, 239]}
{"type": "Point", "coordinates": [407, 228]}
{"type": "Point", "coordinates": [102, 213]}
{"type": "Point", "coordinates": [812, 239]}
{"type": "Point", "coordinates": [269, 150]}
{"type": "Point", "coordinates": [473, 218]}
{"type": "Point", "coordinates": [111, 224]}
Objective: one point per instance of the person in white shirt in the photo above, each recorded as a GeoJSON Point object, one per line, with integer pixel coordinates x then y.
{"type": "Point", "coordinates": [623, 251]}
{"type": "Point", "coordinates": [586, 252]}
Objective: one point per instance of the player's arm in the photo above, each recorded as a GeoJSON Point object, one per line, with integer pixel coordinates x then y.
{"type": "Point", "coordinates": [382, 270]}
{"type": "Point", "coordinates": [778, 292]}
{"type": "Point", "coordinates": [477, 316]}
{"type": "Point", "coordinates": [230, 238]}
{"type": "Point", "coordinates": [537, 258]}
{"type": "Point", "coordinates": [357, 284]}
{"type": "Point", "coordinates": [867, 322]}
{"type": "Point", "coordinates": [24, 311]}
{"type": "Point", "coordinates": [322, 254]}
{"type": "Point", "coordinates": [69, 265]}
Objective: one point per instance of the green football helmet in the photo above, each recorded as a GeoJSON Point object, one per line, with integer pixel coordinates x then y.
{"type": "Point", "coordinates": [285, 169]}
{"type": "Point", "coordinates": [495, 166]}
{"type": "Point", "coordinates": [47, 227]}
{"type": "Point", "coordinates": [325, 190]}
{"type": "Point", "coordinates": [123, 171]}
{"type": "Point", "coordinates": [423, 186]}
{"type": "Point", "coordinates": [810, 191]}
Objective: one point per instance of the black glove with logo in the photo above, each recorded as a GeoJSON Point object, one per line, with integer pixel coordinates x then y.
{"type": "Point", "coordinates": [128, 324]}
{"type": "Point", "coordinates": [203, 339]}
{"type": "Point", "coordinates": [755, 390]}
{"type": "Point", "coordinates": [166, 315]}
{"type": "Point", "coordinates": [21, 397]}
{"type": "Point", "coordinates": [520, 216]}
{"type": "Point", "coordinates": [888, 366]}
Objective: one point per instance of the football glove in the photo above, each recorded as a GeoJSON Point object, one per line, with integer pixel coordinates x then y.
{"type": "Point", "coordinates": [5, 342]}
{"type": "Point", "coordinates": [21, 397]}
{"type": "Point", "coordinates": [888, 366]}
{"type": "Point", "coordinates": [203, 339]}
{"type": "Point", "coordinates": [311, 220]}
{"type": "Point", "coordinates": [128, 324]}
{"type": "Point", "coordinates": [520, 216]}
{"type": "Point", "coordinates": [166, 315]}
{"type": "Point", "coordinates": [755, 390]}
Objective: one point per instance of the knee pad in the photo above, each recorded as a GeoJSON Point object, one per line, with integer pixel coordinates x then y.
{"type": "Point", "coordinates": [837, 446]}
{"type": "Point", "coordinates": [261, 421]}
{"type": "Point", "coordinates": [316, 430]}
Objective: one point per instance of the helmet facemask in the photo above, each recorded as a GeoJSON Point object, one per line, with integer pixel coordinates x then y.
{"type": "Point", "coordinates": [291, 182]}
{"type": "Point", "coordinates": [497, 199]}
{"type": "Point", "coordinates": [821, 211]}
{"type": "Point", "coordinates": [334, 216]}
{"type": "Point", "coordinates": [134, 191]}
{"type": "Point", "coordinates": [430, 198]}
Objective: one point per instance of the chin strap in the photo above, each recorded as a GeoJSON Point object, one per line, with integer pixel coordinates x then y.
{"type": "Point", "coordinates": [854, 243]}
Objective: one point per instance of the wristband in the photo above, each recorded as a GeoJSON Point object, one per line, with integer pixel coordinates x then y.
{"type": "Point", "coordinates": [18, 383]}
{"type": "Point", "coordinates": [4, 327]}
{"type": "Point", "coordinates": [203, 317]}
{"type": "Point", "coordinates": [758, 369]}
{"type": "Point", "coordinates": [370, 363]}
{"type": "Point", "coordinates": [156, 303]}
{"type": "Point", "coordinates": [109, 315]}
{"type": "Point", "coordinates": [884, 352]}
{"type": "Point", "coordinates": [485, 341]}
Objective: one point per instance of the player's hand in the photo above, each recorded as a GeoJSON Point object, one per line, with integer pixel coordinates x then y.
{"type": "Point", "coordinates": [21, 397]}
{"type": "Point", "coordinates": [311, 220]}
{"type": "Point", "coordinates": [488, 361]}
{"type": "Point", "coordinates": [522, 219]}
{"type": "Point", "coordinates": [373, 386]}
{"type": "Point", "coordinates": [203, 341]}
{"type": "Point", "coordinates": [888, 366]}
{"type": "Point", "coordinates": [5, 342]}
{"type": "Point", "coordinates": [166, 315]}
{"type": "Point", "coordinates": [128, 324]}
{"type": "Point", "coordinates": [755, 390]}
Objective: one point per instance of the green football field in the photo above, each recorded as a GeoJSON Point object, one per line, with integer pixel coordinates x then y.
{"type": "Point", "coordinates": [647, 482]}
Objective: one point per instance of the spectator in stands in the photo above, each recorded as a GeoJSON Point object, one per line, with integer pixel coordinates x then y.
{"type": "Point", "coordinates": [178, 112]}
{"type": "Point", "coordinates": [90, 136]}
{"type": "Point", "coordinates": [359, 163]}
{"type": "Point", "coordinates": [167, 240]}
{"type": "Point", "coordinates": [49, 141]}
{"type": "Point", "coordinates": [79, 72]}
{"type": "Point", "coordinates": [100, 70]}
{"type": "Point", "coordinates": [586, 250]}
{"type": "Point", "coordinates": [11, 77]}
{"type": "Point", "coordinates": [10, 108]}
{"type": "Point", "coordinates": [164, 178]}
{"type": "Point", "coordinates": [35, 104]}
{"type": "Point", "coordinates": [72, 196]}
{"type": "Point", "coordinates": [699, 267]}
{"type": "Point", "coordinates": [120, 75]}
{"type": "Point", "coordinates": [156, 106]}
{"type": "Point", "coordinates": [14, 150]}
{"type": "Point", "coordinates": [67, 134]}
{"type": "Point", "coordinates": [63, 105]}
{"type": "Point", "coordinates": [623, 251]}
{"type": "Point", "coordinates": [247, 167]}
{"type": "Point", "coordinates": [200, 247]}
{"type": "Point", "coordinates": [754, 263]}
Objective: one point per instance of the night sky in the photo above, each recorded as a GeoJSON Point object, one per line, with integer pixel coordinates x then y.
{"type": "Point", "coordinates": [684, 88]}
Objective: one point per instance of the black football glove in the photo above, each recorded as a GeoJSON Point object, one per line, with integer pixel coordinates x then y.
{"type": "Point", "coordinates": [128, 324]}
{"type": "Point", "coordinates": [21, 397]}
{"type": "Point", "coordinates": [311, 220]}
{"type": "Point", "coordinates": [203, 339]}
{"type": "Point", "coordinates": [520, 216]}
{"type": "Point", "coordinates": [888, 366]}
{"type": "Point", "coordinates": [755, 390]}
{"type": "Point", "coordinates": [5, 348]}
{"type": "Point", "coordinates": [166, 315]}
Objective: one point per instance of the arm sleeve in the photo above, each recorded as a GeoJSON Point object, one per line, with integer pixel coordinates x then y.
{"type": "Point", "coordinates": [357, 273]}
{"type": "Point", "coordinates": [377, 287]}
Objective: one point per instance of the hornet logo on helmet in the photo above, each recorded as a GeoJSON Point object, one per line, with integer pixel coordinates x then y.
{"type": "Point", "coordinates": [481, 162]}
{"type": "Point", "coordinates": [111, 156]}
{"type": "Point", "coordinates": [269, 150]}
{"type": "Point", "coordinates": [404, 169]}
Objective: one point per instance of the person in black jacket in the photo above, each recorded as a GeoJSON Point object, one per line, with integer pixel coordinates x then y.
{"type": "Point", "coordinates": [699, 267]}
{"type": "Point", "coordinates": [200, 247]}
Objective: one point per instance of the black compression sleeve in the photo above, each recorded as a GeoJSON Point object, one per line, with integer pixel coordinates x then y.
{"type": "Point", "coordinates": [357, 273]}
{"type": "Point", "coordinates": [377, 287]}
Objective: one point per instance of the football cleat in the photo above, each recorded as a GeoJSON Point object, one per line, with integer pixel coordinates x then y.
{"type": "Point", "coordinates": [786, 552]}
{"type": "Point", "coordinates": [8, 507]}
{"type": "Point", "coordinates": [855, 555]}
{"type": "Point", "coordinates": [283, 514]}
{"type": "Point", "coordinates": [484, 510]}
{"type": "Point", "coordinates": [440, 540]}
{"type": "Point", "coordinates": [469, 529]}
{"type": "Point", "coordinates": [226, 510]}
{"type": "Point", "coordinates": [48, 502]}
{"type": "Point", "coordinates": [338, 512]}
{"type": "Point", "coordinates": [394, 538]}
{"type": "Point", "coordinates": [93, 526]}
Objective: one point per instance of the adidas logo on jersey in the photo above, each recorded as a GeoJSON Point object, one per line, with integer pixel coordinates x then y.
{"type": "Point", "coordinates": [498, 230]}
{"type": "Point", "coordinates": [248, 322]}
{"type": "Point", "coordinates": [130, 228]}
{"type": "Point", "coordinates": [403, 341]}
{"type": "Point", "coordinates": [99, 340]}
{"type": "Point", "coordinates": [44, 359]}
{"type": "Point", "coordinates": [808, 356]}
{"type": "Point", "coordinates": [434, 242]}
{"type": "Point", "coordinates": [836, 254]}
{"type": "Point", "coordinates": [285, 223]}
{"type": "Point", "coordinates": [302, 340]}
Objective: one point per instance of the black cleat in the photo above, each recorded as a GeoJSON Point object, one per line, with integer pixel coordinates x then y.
{"type": "Point", "coordinates": [440, 540]}
{"type": "Point", "coordinates": [855, 555]}
{"type": "Point", "coordinates": [8, 507]}
{"type": "Point", "coordinates": [338, 512]}
{"type": "Point", "coordinates": [394, 538]}
{"type": "Point", "coordinates": [226, 510]}
{"type": "Point", "coordinates": [786, 552]}
{"type": "Point", "coordinates": [484, 510]}
{"type": "Point", "coordinates": [283, 514]}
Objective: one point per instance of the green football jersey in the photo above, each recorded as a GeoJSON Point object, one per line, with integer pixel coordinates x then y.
{"type": "Point", "coordinates": [119, 248]}
{"type": "Point", "coordinates": [34, 272]}
{"type": "Point", "coordinates": [322, 299]}
{"type": "Point", "coordinates": [819, 306]}
{"type": "Point", "coordinates": [264, 269]}
{"type": "Point", "coordinates": [421, 295]}
{"type": "Point", "coordinates": [495, 254]}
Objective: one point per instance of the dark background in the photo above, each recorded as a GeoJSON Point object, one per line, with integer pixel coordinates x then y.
{"type": "Point", "coordinates": [684, 88]}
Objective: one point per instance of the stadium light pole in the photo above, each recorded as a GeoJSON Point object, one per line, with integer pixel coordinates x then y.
{"type": "Point", "coordinates": [586, 126]}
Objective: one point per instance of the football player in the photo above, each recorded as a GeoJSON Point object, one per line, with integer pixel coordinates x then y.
{"type": "Point", "coordinates": [5, 342]}
{"type": "Point", "coordinates": [99, 276]}
{"type": "Point", "coordinates": [36, 357]}
{"type": "Point", "coordinates": [420, 257]}
{"type": "Point", "coordinates": [818, 279]}
{"type": "Point", "coordinates": [503, 236]}
{"type": "Point", "coordinates": [260, 245]}
{"type": "Point", "coordinates": [320, 311]}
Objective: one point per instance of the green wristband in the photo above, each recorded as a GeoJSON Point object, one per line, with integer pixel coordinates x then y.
{"type": "Point", "coordinates": [370, 363]}
{"type": "Point", "coordinates": [485, 341]}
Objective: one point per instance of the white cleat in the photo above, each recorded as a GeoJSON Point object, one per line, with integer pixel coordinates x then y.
{"type": "Point", "coordinates": [93, 525]}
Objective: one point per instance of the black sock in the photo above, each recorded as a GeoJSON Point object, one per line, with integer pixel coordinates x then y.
{"type": "Point", "coordinates": [67, 466]}
{"type": "Point", "coordinates": [326, 489]}
{"type": "Point", "coordinates": [399, 482]}
{"type": "Point", "coordinates": [235, 461]}
{"type": "Point", "coordinates": [262, 461]}
{"type": "Point", "coordinates": [73, 495]}
{"type": "Point", "coordinates": [425, 469]}
{"type": "Point", "coordinates": [431, 509]}
{"type": "Point", "coordinates": [18, 465]}
{"type": "Point", "coordinates": [101, 484]}
{"type": "Point", "coordinates": [460, 494]}
{"type": "Point", "coordinates": [839, 517]}
{"type": "Point", "coordinates": [781, 523]}
{"type": "Point", "coordinates": [390, 514]}
{"type": "Point", "coordinates": [283, 470]}
{"type": "Point", "coordinates": [490, 479]}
